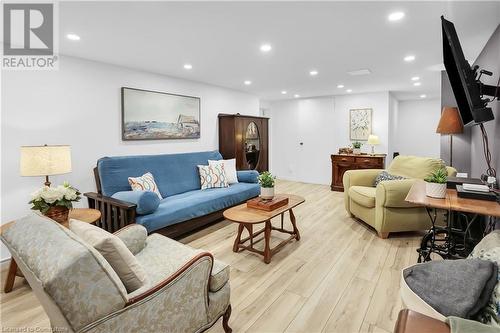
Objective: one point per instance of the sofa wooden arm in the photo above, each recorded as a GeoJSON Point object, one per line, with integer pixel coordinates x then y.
{"type": "Point", "coordinates": [159, 286]}
{"type": "Point", "coordinates": [115, 214]}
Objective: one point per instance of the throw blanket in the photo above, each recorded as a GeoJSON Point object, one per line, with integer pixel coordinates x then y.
{"type": "Point", "coordinates": [453, 287]}
{"type": "Point", "coordinates": [460, 325]}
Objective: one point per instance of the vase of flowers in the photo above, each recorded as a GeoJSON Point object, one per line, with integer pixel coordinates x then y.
{"type": "Point", "coordinates": [435, 184]}
{"type": "Point", "coordinates": [266, 181]}
{"type": "Point", "coordinates": [356, 147]}
{"type": "Point", "coordinates": [55, 202]}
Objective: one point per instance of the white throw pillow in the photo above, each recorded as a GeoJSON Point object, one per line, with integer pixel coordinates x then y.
{"type": "Point", "coordinates": [114, 250]}
{"type": "Point", "coordinates": [229, 169]}
{"type": "Point", "coordinates": [146, 182]}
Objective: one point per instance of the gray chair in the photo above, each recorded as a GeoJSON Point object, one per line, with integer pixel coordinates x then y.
{"type": "Point", "coordinates": [186, 289]}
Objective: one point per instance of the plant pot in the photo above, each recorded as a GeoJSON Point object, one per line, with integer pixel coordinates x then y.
{"type": "Point", "coordinates": [58, 213]}
{"type": "Point", "coordinates": [356, 151]}
{"type": "Point", "coordinates": [435, 190]}
{"type": "Point", "coordinates": [267, 193]}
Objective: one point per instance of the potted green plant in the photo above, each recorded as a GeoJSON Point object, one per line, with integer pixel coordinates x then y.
{"type": "Point", "coordinates": [266, 181]}
{"type": "Point", "coordinates": [55, 202]}
{"type": "Point", "coordinates": [435, 184]}
{"type": "Point", "coordinates": [356, 147]}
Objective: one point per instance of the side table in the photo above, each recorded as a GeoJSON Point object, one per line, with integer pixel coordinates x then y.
{"type": "Point", "coordinates": [88, 215]}
{"type": "Point", "coordinates": [449, 241]}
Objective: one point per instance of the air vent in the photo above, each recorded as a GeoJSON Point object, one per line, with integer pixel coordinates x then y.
{"type": "Point", "coordinates": [360, 72]}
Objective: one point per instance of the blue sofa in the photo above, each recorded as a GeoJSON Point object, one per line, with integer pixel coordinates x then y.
{"type": "Point", "coordinates": [184, 206]}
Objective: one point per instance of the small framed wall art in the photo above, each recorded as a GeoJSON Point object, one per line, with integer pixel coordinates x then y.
{"type": "Point", "coordinates": [360, 124]}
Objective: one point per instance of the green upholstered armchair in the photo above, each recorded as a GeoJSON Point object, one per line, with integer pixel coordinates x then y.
{"type": "Point", "coordinates": [384, 207]}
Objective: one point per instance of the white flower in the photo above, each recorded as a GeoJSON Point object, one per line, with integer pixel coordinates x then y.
{"type": "Point", "coordinates": [51, 195]}
{"type": "Point", "coordinates": [35, 196]}
{"type": "Point", "coordinates": [70, 194]}
{"type": "Point", "coordinates": [67, 191]}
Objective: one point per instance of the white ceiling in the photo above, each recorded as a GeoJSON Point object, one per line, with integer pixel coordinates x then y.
{"type": "Point", "coordinates": [221, 40]}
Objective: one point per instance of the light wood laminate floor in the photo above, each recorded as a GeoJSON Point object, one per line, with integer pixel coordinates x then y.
{"type": "Point", "coordinates": [340, 277]}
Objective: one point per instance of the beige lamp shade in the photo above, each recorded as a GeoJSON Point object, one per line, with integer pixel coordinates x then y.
{"type": "Point", "coordinates": [373, 140]}
{"type": "Point", "coordinates": [450, 122]}
{"type": "Point", "coordinates": [45, 160]}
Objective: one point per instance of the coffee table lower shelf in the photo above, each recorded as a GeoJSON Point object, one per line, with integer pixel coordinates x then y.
{"type": "Point", "coordinates": [239, 244]}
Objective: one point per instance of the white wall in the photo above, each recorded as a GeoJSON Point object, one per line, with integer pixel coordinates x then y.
{"type": "Point", "coordinates": [488, 59]}
{"type": "Point", "coordinates": [393, 125]}
{"type": "Point", "coordinates": [79, 105]}
{"type": "Point", "coordinates": [322, 125]}
{"type": "Point", "coordinates": [416, 124]}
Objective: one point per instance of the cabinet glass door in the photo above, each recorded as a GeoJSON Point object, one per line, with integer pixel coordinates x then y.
{"type": "Point", "coordinates": [252, 145]}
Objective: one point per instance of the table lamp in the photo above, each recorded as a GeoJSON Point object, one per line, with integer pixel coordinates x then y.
{"type": "Point", "coordinates": [373, 140]}
{"type": "Point", "coordinates": [45, 161]}
{"type": "Point", "coordinates": [450, 123]}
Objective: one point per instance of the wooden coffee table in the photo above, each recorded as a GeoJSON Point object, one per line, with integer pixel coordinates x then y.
{"type": "Point", "coordinates": [247, 217]}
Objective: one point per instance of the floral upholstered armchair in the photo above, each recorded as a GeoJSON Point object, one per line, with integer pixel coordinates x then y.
{"type": "Point", "coordinates": [185, 289]}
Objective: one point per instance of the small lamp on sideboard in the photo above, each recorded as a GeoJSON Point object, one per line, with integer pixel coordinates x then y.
{"type": "Point", "coordinates": [450, 123]}
{"type": "Point", "coordinates": [45, 161]}
{"type": "Point", "coordinates": [373, 140]}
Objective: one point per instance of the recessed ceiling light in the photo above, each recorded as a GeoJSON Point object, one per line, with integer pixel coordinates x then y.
{"type": "Point", "coordinates": [340, 86]}
{"type": "Point", "coordinates": [266, 47]}
{"type": "Point", "coordinates": [415, 78]}
{"type": "Point", "coordinates": [188, 66]}
{"type": "Point", "coordinates": [313, 72]}
{"type": "Point", "coordinates": [247, 82]}
{"type": "Point", "coordinates": [73, 37]}
{"type": "Point", "coordinates": [349, 90]}
{"type": "Point", "coordinates": [296, 95]}
{"type": "Point", "coordinates": [396, 16]}
{"type": "Point", "coordinates": [283, 92]}
{"type": "Point", "coordinates": [416, 84]}
{"type": "Point", "coordinates": [409, 58]}
{"type": "Point", "coordinates": [423, 96]}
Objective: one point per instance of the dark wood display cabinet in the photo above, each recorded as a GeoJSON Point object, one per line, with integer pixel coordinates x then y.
{"type": "Point", "coordinates": [245, 138]}
{"type": "Point", "coordinates": [343, 162]}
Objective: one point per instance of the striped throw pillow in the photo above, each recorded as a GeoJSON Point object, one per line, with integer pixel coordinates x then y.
{"type": "Point", "coordinates": [212, 176]}
{"type": "Point", "coordinates": [146, 182]}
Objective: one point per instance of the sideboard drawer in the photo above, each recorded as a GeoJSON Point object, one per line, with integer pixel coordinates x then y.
{"type": "Point", "coordinates": [341, 163]}
{"type": "Point", "coordinates": [367, 160]}
{"type": "Point", "coordinates": [369, 166]}
{"type": "Point", "coordinates": [338, 158]}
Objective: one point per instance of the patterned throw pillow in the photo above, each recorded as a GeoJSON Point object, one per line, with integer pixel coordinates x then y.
{"type": "Point", "coordinates": [146, 182]}
{"type": "Point", "coordinates": [229, 169]}
{"type": "Point", "coordinates": [489, 249]}
{"type": "Point", "coordinates": [384, 175]}
{"type": "Point", "coordinates": [212, 176]}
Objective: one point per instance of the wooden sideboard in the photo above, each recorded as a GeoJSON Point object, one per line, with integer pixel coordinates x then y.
{"type": "Point", "coordinates": [343, 162]}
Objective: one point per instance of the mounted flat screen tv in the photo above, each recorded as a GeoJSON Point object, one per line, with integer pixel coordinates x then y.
{"type": "Point", "coordinates": [465, 86]}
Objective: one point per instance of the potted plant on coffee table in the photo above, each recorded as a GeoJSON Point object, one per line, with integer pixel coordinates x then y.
{"type": "Point", "coordinates": [435, 184]}
{"type": "Point", "coordinates": [356, 145]}
{"type": "Point", "coordinates": [266, 181]}
{"type": "Point", "coordinates": [55, 202]}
